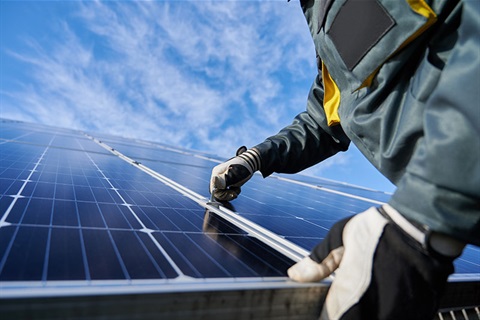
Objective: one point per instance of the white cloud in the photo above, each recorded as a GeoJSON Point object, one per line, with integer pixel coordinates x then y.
{"type": "Point", "coordinates": [207, 75]}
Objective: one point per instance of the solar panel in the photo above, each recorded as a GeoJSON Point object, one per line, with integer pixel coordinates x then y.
{"type": "Point", "coordinates": [82, 213]}
{"type": "Point", "coordinates": [299, 208]}
{"type": "Point", "coordinates": [108, 220]}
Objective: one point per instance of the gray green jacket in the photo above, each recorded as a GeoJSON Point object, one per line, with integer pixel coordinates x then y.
{"type": "Point", "coordinates": [406, 91]}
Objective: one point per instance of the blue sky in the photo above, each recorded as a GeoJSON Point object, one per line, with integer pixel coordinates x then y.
{"type": "Point", "coordinates": [203, 75]}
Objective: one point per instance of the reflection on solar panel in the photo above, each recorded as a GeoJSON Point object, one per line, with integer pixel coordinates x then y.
{"type": "Point", "coordinates": [87, 216]}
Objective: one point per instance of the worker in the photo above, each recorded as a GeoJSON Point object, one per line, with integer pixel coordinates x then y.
{"type": "Point", "coordinates": [401, 80]}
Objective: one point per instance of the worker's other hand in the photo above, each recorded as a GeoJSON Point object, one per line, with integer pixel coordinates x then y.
{"type": "Point", "coordinates": [385, 267]}
{"type": "Point", "coordinates": [228, 177]}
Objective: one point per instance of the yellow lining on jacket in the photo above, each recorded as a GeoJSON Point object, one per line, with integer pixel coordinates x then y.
{"type": "Point", "coordinates": [331, 98]}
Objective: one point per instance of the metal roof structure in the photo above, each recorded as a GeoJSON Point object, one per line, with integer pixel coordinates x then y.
{"type": "Point", "coordinates": [98, 226]}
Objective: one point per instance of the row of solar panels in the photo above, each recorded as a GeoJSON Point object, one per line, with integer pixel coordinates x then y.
{"type": "Point", "coordinates": [85, 215]}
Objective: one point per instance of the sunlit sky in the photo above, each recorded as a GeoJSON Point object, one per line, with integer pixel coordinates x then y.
{"type": "Point", "coordinates": [204, 75]}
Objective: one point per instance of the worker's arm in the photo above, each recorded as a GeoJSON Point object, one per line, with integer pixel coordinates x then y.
{"type": "Point", "coordinates": [307, 141]}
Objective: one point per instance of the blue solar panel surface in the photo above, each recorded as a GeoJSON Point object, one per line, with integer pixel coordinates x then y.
{"type": "Point", "coordinates": [73, 210]}
{"type": "Point", "coordinates": [297, 207]}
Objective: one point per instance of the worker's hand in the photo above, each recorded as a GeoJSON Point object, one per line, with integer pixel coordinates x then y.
{"type": "Point", "coordinates": [228, 177]}
{"type": "Point", "coordinates": [385, 267]}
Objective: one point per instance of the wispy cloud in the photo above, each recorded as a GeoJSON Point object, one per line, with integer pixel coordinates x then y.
{"type": "Point", "coordinates": [204, 75]}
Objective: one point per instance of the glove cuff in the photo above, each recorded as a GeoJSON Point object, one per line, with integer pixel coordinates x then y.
{"type": "Point", "coordinates": [439, 243]}
{"type": "Point", "coordinates": [252, 157]}
{"type": "Point", "coordinates": [417, 232]}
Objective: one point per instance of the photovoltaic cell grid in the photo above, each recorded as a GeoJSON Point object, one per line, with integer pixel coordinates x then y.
{"type": "Point", "coordinates": [74, 211]}
{"type": "Point", "coordinates": [71, 211]}
{"type": "Point", "coordinates": [301, 209]}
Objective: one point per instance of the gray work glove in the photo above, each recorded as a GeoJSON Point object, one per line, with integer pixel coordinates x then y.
{"type": "Point", "coordinates": [228, 177]}
{"type": "Point", "coordinates": [385, 267]}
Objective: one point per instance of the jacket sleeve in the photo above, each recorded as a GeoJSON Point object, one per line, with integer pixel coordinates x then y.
{"type": "Point", "coordinates": [305, 142]}
{"type": "Point", "coordinates": [441, 186]}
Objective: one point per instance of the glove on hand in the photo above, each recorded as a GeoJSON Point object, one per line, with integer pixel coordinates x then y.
{"type": "Point", "coordinates": [383, 270]}
{"type": "Point", "coordinates": [228, 177]}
